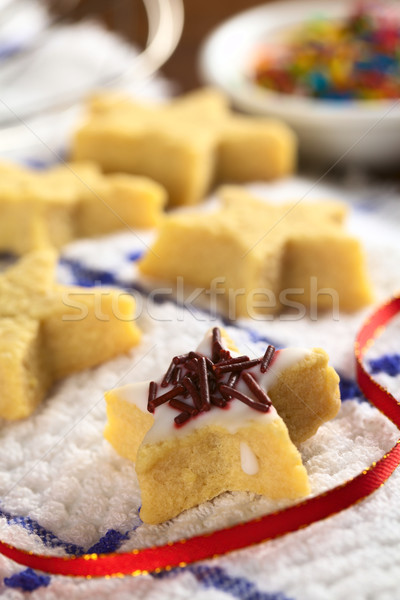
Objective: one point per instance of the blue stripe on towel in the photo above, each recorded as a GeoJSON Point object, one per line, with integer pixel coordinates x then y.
{"type": "Point", "coordinates": [216, 578]}
{"type": "Point", "coordinates": [109, 542]}
{"type": "Point", "coordinates": [48, 538]}
{"type": "Point", "coordinates": [349, 389]}
{"type": "Point", "coordinates": [9, 49]}
{"type": "Point", "coordinates": [135, 255]}
{"type": "Point", "coordinates": [388, 363]}
{"type": "Point", "coordinates": [37, 164]}
{"type": "Point", "coordinates": [27, 580]}
{"type": "Point", "coordinates": [86, 277]}
{"type": "Point", "coordinates": [238, 587]}
{"type": "Point", "coordinates": [112, 540]}
{"type": "Point", "coordinates": [255, 336]}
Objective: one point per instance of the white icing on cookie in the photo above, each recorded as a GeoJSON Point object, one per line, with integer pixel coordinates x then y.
{"type": "Point", "coordinates": [248, 459]}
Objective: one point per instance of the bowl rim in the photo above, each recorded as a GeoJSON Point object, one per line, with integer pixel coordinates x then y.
{"type": "Point", "coordinates": [249, 96]}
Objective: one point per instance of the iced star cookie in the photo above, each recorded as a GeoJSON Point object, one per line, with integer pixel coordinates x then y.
{"type": "Point", "coordinates": [48, 331]}
{"type": "Point", "coordinates": [53, 206]}
{"type": "Point", "coordinates": [186, 144]}
{"type": "Point", "coordinates": [210, 424]}
{"type": "Point", "coordinates": [263, 257]}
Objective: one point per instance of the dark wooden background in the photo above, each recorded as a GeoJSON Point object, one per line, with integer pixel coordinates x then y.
{"type": "Point", "coordinates": [129, 18]}
{"type": "Point", "coordinates": [201, 18]}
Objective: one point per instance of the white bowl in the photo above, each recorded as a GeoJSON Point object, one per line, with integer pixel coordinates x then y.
{"type": "Point", "coordinates": [364, 133]}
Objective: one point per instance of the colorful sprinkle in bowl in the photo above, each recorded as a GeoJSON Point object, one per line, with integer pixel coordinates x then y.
{"type": "Point", "coordinates": [335, 129]}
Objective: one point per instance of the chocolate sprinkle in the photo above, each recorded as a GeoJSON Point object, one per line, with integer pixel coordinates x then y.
{"type": "Point", "coordinates": [183, 406]}
{"type": "Point", "coordinates": [179, 389]}
{"type": "Point", "coordinates": [152, 395]}
{"type": "Point", "coordinates": [240, 366]}
{"type": "Point", "coordinates": [192, 364]}
{"type": "Point", "coordinates": [224, 390]}
{"type": "Point", "coordinates": [182, 418]}
{"type": "Point", "coordinates": [203, 381]}
{"type": "Point", "coordinates": [176, 375]}
{"type": "Point", "coordinates": [167, 377]}
{"type": "Point", "coordinates": [209, 362]}
{"type": "Point", "coordinates": [216, 345]}
{"type": "Point", "coordinates": [253, 386]}
{"type": "Point", "coordinates": [243, 398]}
{"type": "Point", "coordinates": [233, 377]}
{"type": "Point", "coordinates": [179, 360]}
{"type": "Point", "coordinates": [218, 401]}
{"type": "Point", "coordinates": [192, 390]}
{"type": "Point", "coordinates": [267, 358]}
{"type": "Point", "coordinates": [212, 382]}
{"type": "Point", "coordinates": [233, 361]}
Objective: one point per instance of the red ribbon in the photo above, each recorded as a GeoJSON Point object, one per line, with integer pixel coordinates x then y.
{"type": "Point", "coordinates": [258, 530]}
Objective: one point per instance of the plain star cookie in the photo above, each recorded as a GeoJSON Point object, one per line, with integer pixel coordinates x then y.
{"type": "Point", "coordinates": [48, 331]}
{"type": "Point", "coordinates": [261, 257]}
{"type": "Point", "coordinates": [48, 208]}
{"type": "Point", "coordinates": [215, 422]}
{"type": "Point", "coordinates": [186, 144]}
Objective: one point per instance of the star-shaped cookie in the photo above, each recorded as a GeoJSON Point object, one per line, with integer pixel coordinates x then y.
{"type": "Point", "coordinates": [48, 331]}
{"type": "Point", "coordinates": [261, 257]}
{"type": "Point", "coordinates": [186, 144]}
{"type": "Point", "coordinates": [215, 422]}
{"type": "Point", "coordinates": [48, 208]}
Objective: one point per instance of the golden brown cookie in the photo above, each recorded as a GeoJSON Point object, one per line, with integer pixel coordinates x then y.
{"type": "Point", "coordinates": [48, 331]}
{"type": "Point", "coordinates": [186, 144]}
{"type": "Point", "coordinates": [263, 257]}
{"type": "Point", "coordinates": [52, 207]}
